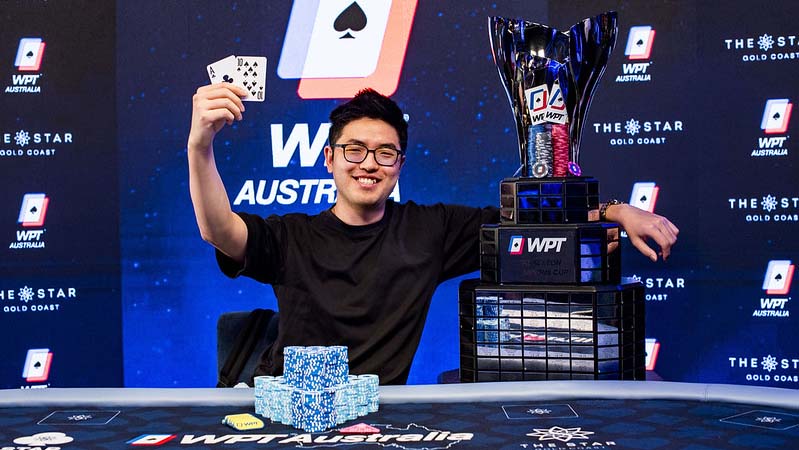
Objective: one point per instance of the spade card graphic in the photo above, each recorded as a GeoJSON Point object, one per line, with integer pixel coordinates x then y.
{"type": "Point", "coordinates": [778, 277]}
{"type": "Point", "coordinates": [37, 364]}
{"type": "Point", "coordinates": [29, 54]}
{"type": "Point", "coordinates": [33, 210]}
{"type": "Point", "coordinates": [644, 196]}
{"type": "Point", "coordinates": [345, 41]}
{"type": "Point", "coordinates": [776, 116]}
{"type": "Point", "coordinates": [515, 247]}
{"type": "Point", "coordinates": [222, 70]}
{"type": "Point", "coordinates": [538, 98]}
{"type": "Point", "coordinates": [639, 44]}
{"type": "Point", "coordinates": [251, 75]}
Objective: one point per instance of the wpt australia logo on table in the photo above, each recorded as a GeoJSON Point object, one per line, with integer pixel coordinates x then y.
{"type": "Point", "coordinates": [411, 436]}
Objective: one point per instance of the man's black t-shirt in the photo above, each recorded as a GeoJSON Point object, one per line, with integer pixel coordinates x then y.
{"type": "Point", "coordinates": [367, 287]}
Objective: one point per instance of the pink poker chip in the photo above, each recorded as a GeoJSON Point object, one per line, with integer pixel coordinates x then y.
{"type": "Point", "coordinates": [575, 169]}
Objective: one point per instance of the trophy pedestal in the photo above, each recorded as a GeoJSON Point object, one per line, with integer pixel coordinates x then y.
{"type": "Point", "coordinates": [550, 303]}
{"type": "Point", "coordinates": [554, 332]}
{"type": "Point", "coordinates": [548, 200]}
{"type": "Point", "coordinates": [565, 254]}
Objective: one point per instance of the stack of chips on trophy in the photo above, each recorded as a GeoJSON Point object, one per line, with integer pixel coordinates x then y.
{"type": "Point", "coordinates": [316, 391]}
{"type": "Point", "coordinates": [550, 303]}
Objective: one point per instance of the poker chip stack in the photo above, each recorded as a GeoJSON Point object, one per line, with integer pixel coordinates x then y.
{"type": "Point", "coordinates": [316, 391]}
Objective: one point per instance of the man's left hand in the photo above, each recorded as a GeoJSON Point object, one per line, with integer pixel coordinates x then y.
{"type": "Point", "coordinates": [641, 225]}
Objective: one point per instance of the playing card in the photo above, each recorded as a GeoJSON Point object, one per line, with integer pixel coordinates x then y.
{"type": "Point", "coordinates": [251, 75]}
{"type": "Point", "coordinates": [222, 70]}
{"type": "Point", "coordinates": [345, 41]}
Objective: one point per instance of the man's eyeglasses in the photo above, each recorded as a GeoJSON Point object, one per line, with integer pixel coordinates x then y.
{"type": "Point", "coordinates": [357, 153]}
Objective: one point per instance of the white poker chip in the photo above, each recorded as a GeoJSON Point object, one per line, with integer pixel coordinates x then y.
{"type": "Point", "coordinates": [540, 170]}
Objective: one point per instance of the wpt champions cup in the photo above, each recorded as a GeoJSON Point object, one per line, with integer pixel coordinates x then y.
{"type": "Point", "coordinates": [549, 303]}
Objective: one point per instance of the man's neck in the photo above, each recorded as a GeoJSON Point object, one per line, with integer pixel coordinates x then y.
{"type": "Point", "coordinates": [358, 216]}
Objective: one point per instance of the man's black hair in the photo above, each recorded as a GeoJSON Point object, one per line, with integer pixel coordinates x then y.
{"type": "Point", "coordinates": [374, 105]}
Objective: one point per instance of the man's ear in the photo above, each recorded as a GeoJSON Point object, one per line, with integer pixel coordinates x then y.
{"type": "Point", "coordinates": [329, 158]}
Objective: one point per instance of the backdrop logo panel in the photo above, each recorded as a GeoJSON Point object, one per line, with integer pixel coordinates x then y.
{"type": "Point", "coordinates": [769, 368]}
{"type": "Point", "coordinates": [777, 285]}
{"type": "Point", "coordinates": [764, 47]}
{"type": "Point", "coordinates": [33, 144]}
{"type": "Point", "coordinates": [37, 365]}
{"type": "Point", "coordinates": [28, 59]}
{"type": "Point", "coordinates": [774, 123]}
{"type": "Point", "coordinates": [338, 47]}
{"type": "Point", "coordinates": [31, 300]}
{"type": "Point", "coordinates": [638, 51]}
{"type": "Point", "coordinates": [635, 132]}
{"type": "Point", "coordinates": [32, 214]}
{"type": "Point", "coordinates": [660, 288]}
{"type": "Point", "coordinates": [767, 207]}
{"type": "Point", "coordinates": [285, 153]}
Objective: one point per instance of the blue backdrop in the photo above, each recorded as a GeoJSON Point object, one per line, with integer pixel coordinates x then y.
{"type": "Point", "coordinates": [684, 123]}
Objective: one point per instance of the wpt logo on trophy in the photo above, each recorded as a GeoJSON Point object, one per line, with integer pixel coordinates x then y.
{"type": "Point", "coordinates": [639, 48]}
{"type": "Point", "coordinates": [644, 195]}
{"type": "Point", "coordinates": [779, 275]}
{"type": "Point", "coordinates": [535, 245]}
{"type": "Point", "coordinates": [546, 105]}
{"type": "Point", "coordinates": [338, 47]}
{"type": "Point", "coordinates": [775, 120]}
{"type": "Point", "coordinates": [28, 59]}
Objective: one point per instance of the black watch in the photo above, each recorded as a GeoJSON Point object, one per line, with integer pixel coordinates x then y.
{"type": "Point", "coordinates": [603, 209]}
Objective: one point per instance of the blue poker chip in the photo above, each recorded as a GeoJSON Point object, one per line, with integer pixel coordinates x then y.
{"type": "Point", "coordinates": [575, 169]}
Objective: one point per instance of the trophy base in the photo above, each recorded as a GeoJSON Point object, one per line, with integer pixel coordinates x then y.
{"type": "Point", "coordinates": [545, 254]}
{"type": "Point", "coordinates": [548, 200]}
{"type": "Point", "coordinates": [531, 332]}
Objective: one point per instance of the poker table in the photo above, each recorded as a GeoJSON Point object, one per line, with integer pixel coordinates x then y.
{"type": "Point", "coordinates": [509, 415]}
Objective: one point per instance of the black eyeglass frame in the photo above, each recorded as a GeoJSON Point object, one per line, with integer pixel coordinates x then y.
{"type": "Point", "coordinates": [370, 150]}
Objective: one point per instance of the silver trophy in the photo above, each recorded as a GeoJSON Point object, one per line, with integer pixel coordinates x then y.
{"type": "Point", "coordinates": [550, 77]}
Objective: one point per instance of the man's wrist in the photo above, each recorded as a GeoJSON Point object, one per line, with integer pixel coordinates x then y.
{"type": "Point", "coordinates": [603, 208]}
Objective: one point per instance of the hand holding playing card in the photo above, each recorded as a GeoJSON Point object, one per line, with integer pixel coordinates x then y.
{"type": "Point", "coordinates": [213, 106]}
{"type": "Point", "coordinates": [248, 72]}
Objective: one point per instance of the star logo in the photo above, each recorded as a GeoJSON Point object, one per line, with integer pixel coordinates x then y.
{"type": "Point", "coordinates": [769, 419]}
{"type": "Point", "coordinates": [559, 434]}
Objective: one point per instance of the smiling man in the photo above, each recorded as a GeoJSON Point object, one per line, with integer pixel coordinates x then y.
{"type": "Point", "coordinates": [362, 273]}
